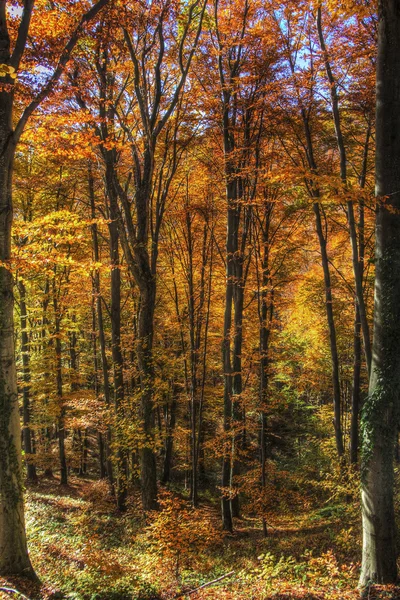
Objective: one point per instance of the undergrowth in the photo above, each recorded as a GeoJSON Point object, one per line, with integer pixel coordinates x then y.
{"type": "Point", "coordinates": [83, 549]}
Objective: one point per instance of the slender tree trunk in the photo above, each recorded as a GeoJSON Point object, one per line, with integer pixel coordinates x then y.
{"type": "Point", "coordinates": [25, 349]}
{"type": "Point", "coordinates": [193, 403]}
{"type": "Point", "coordinates": [170, 420]}
{"type": "Point", "coordinates": [122, 459]}
{"type": "Point", "coordinates": [315, 195]}
{"type": "Point", "coordinates": [266, 311]}
{"type": "Point", "coordinates": [100, 439]}
{"type": "Point", "coordinates": [332, 332]}
{"type": "Point", "coordinates": [350, 208]}
{"type": "Point", "coordinates": [231, 248]}
{"type": "Point", "coordinates": [102, 338]}
{"type": "Point", "coordinates": [355, 394]}
{"type": "Point", "coordinates": [237, 384]}
{"type": "Point", "coordinates": [381, 410]}
{"type": "Point", "coordinates": [59, 387]}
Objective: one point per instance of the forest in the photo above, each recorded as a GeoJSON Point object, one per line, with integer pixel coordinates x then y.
{"type": "Point", "coordinates": [199, 299]}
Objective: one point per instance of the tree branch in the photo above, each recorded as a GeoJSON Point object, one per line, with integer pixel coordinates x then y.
{"type": "Point", "coordinates": [22, 34]}
{"type": "Point", "coordinates": [62, 62]}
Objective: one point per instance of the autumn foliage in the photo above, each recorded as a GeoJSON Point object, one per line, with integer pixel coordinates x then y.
{"type": "Point", "coordinates": [193, 270]}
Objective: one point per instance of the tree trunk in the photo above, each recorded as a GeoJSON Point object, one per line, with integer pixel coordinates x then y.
{"type": "Point", "coordinates": [102, 338]}
{"type": "Point", "coordinates": [314, 192]}
{"type": "Point", "coordinates": [148, 468]}
{"type": "Point", "coordinates": [14, 558]}
{"type": "Point", "coordinates": [355, 395]}
{"type": "Point", "coordinates": [26, 433]}
{"type": "Point", "coordinates": [357, 269]}
{"type": "Point", "coordinates": [265, 315]}
{"type": "Point", "coordinates": [332, 332]}
{"type": "Point", "coordinates": [237, 413]}
{"type": "Point", "coordinates": [100, 439]}
{"type": "Point", "coordinates": [170, 419]}
{"type": "Point", "coordinates": [59, 389]}
{"type": "Point", "coordinates": [122, 459]}
{"type": "Point", "coordinates": [381, 409]}
{"type": "Point", "coordinates": [227, 370]}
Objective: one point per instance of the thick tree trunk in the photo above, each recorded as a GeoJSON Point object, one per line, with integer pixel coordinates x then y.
{"type": "Point", "coordinates": [147, 456]}
{"type": "Point", "coordinates": [31, 474]}
{"type": "Point", "coordinates": [381, 409]}
{"type": "Point", "coordinates": [14, 558]}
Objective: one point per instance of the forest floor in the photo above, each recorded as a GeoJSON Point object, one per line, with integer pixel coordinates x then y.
{"type": "Point", "coordinates": [83, 549]}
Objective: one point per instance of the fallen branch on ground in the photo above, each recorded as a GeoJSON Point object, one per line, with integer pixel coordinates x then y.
{"type": "Point", "coordinates": [205, 585]}
{"type": "Point", "coordinates": [12, 592]}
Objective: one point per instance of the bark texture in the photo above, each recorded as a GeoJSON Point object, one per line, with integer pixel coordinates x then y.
{"type": "Point", "coordinates": [380, 412]}
{"type": "Point", "coordinates": [14, 558]}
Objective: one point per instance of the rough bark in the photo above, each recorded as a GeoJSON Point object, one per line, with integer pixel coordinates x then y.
{"type": "Point", "coordinates": [13, 550]}
{"type": "Point", "coordinates": [381, 410]}
{"type": "Point", "coordinates": [14, 558]}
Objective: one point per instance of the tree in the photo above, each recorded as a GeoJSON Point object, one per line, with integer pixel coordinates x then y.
{"type": "Point", "coordinates": [381, 411]}
{"type": "Point", "coordinates": [13, 549]}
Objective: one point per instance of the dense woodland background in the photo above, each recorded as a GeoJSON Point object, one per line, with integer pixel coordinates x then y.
{"type": "Point", "coordinates": [193, 257]}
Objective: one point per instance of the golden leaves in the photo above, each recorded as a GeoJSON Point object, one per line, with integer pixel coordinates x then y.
{"type": "Point", "coordinates": [7, 70]}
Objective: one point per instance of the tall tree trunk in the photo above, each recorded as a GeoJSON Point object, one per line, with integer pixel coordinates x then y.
{"type": "Point", "coordinates": [13, 550]}
{"type": "Point", "coordinates": [122, 459]}
{"type": "Point", "coordinates": [100, 321]}
{"type": "Point", "coordinates": [350, 208]}
{"type": "Point", "coordinates": [231, 250]}
{"type": "Point", "coordinates": [237, 384]}
{"type": "Point", "coordinates": [355, 393]}
{"type": "Point", "coordinates": [313, 189]}
{"type": "Point", "coordinates": [59, 390]}
{"type": "Point", "coordinates": [381, 410]}
{"type": "Point", "coordinates": [100, 438]}
{"type": "Point", "coordinates": [25, 349]}
{"type": "Point", "coordinates": [147, 456]}
{"type": "Point", "coordinates": [170, 420]}
{"type": "Point", "coordinates": [193, 404]}
{"type": "Point", "coordinates": [144, 273]}
{"type": "Point", "coordinates": [265, 315]}
{"type": "Point", "coordinates": [14, 558]}
{"type": "Point", "coordinates": [332, 332]}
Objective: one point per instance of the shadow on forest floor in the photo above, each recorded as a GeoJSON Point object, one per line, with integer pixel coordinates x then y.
{"type": "Point", "coordinates": [83, 548]}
